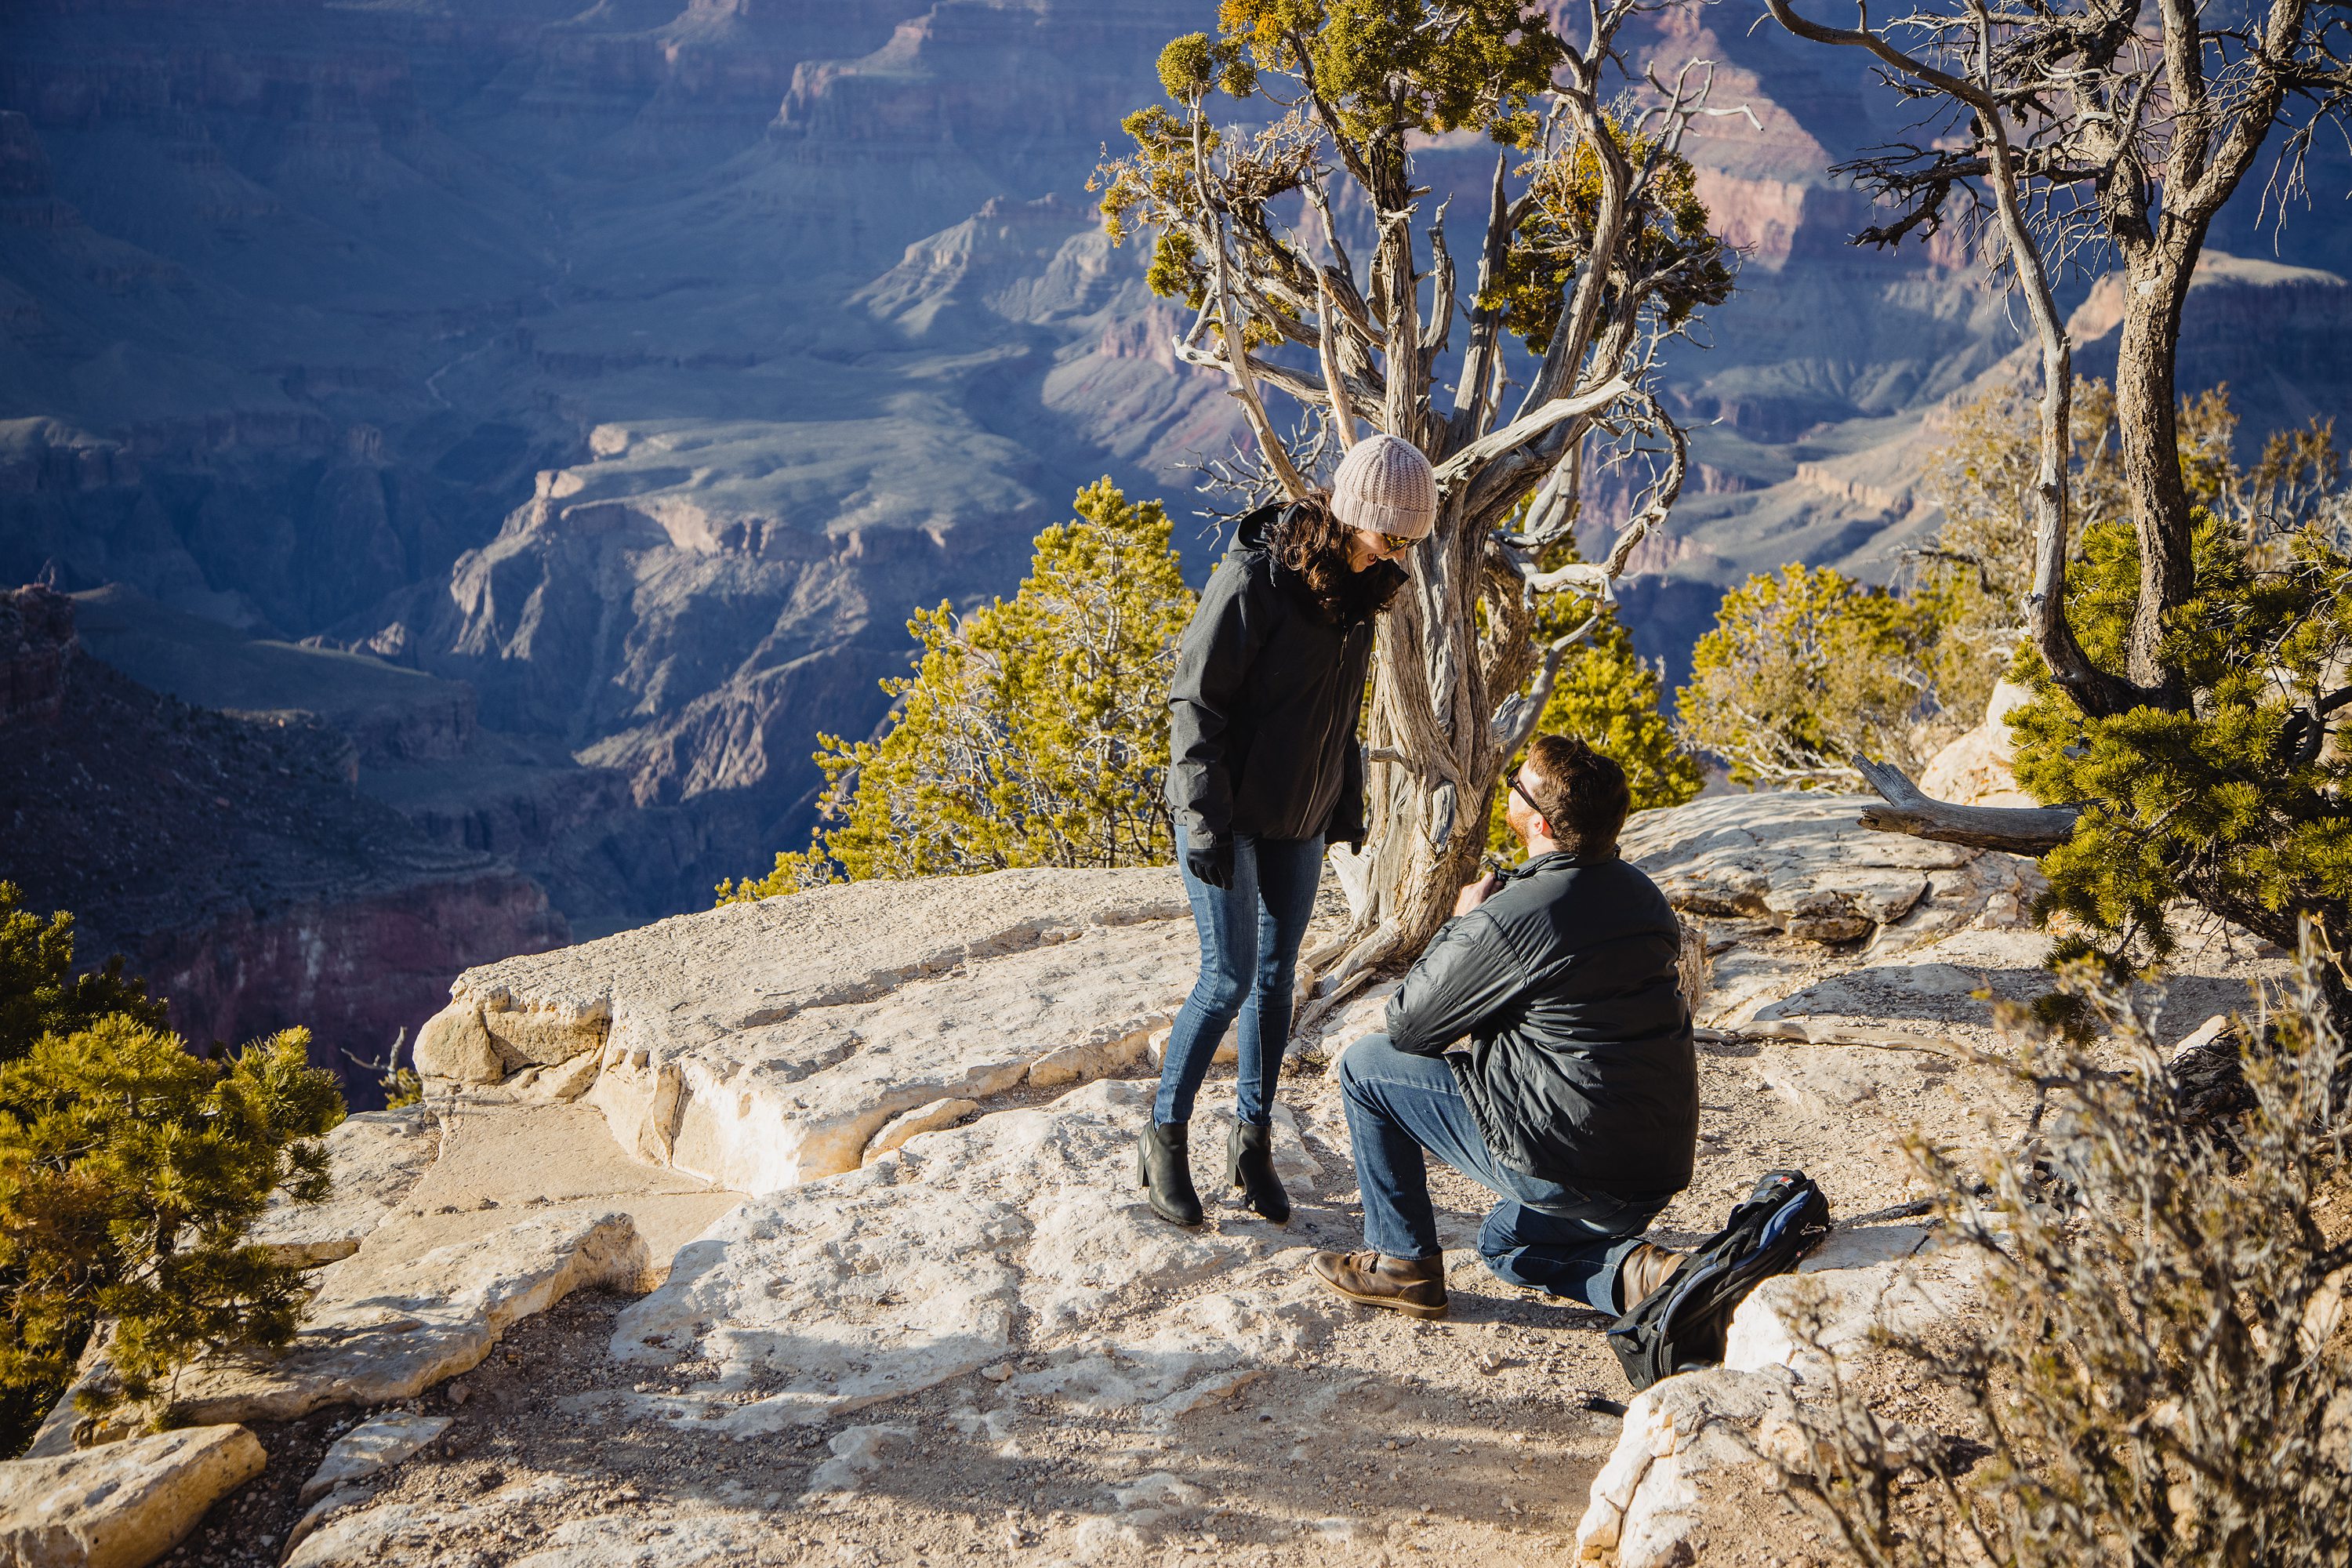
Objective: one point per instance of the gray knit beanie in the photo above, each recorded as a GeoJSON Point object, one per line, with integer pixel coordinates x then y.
{"type": "Point", "coordinates": [1384, 485]}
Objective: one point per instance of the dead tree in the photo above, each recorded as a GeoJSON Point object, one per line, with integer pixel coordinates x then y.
{"type": "Point", "coordinates": [2094, 132]}
{"type": "Point", "coordinates": [1594, 250]}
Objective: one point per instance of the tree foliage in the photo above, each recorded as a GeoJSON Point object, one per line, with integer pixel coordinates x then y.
{"type": "Point", "coordinates": [1032, 733]}
{"type": "Point", "coordinates": [40, 993]}
{"type": "Point", "coordinates": [2240, 802]}
{"type": "Point", "coordinates": [131, 1171]}
{"type": "Point", "coordinates": [1304, 238]}
{"type": "Point", "coordinates": [1806, 669]}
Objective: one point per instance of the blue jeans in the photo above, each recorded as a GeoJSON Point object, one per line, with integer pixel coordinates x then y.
{"type": "Point", "coordinates": [1250, 934]}
{"type": "Point", "coordinates": [1544, 1233]}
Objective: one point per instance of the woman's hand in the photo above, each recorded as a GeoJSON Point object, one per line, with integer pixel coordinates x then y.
{"type": "Point", "coordinates": [1210, 861]}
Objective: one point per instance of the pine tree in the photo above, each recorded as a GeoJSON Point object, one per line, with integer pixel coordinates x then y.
{"type": "Point", "coordinates": [40, 993]}
{"type": "Point", "coordinates": [2238, 802]}
{"type": "Point", "coordinates": [130, 1170]}
{"type": "Point", "coordinates": [1032, 733]}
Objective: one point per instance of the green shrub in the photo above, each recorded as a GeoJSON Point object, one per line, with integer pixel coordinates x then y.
{"type": "Point", "coordinates": [1804, 670]}
{"type": "Point", "coordinates": [1032, 733]}
{"type": "Point", "coordinates": [130, 1170]}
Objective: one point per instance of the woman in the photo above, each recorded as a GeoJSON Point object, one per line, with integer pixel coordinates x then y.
{"type": "Point", "coordinates": [1264, 768]}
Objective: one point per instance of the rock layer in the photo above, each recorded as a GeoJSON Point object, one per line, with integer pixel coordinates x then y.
{"type": "Point", "coordinates": [758, 1046]}
{"type": "Point", "coordinates": [227, 856]}
{"type": "Point", "coordinates": [122, 1505]}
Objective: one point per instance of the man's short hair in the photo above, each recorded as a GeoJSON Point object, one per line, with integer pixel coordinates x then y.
{"type": "Point", "coordinates": [1583, 794]}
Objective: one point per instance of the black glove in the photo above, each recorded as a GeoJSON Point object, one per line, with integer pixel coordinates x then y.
{"type": "Point", "coordinates": [1210, 859]}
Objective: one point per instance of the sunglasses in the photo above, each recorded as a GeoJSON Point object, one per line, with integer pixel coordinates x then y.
{"type": "Point", "coordinates": [1397, 544]}
{"type": "Point", "coordinates": [1524, 795]}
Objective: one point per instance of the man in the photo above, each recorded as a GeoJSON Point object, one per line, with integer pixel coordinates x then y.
{"type": "Point", "coordinates": [1575, 1096]}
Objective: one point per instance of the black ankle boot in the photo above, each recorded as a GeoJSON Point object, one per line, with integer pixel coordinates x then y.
{"type": "Point", "coordinates": [1249, 1165]}
{"type": "Point", "coordinates": [1163, 1166]}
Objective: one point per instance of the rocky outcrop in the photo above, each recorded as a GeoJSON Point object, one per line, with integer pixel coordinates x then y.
{"type": "Point", "coordinates": [1700, 1448]}
{"type": "Point", "coordinates": [448, 1225]}
{"type": "Point", "coordinates": [818, 1300]}
{"type": "Point", "coordinates": [946, 1316]}
{"type": "Point", "coordinates": [761, 1045]}
{"type": "Point", "coordinates": [1801, 862]}
{"type": "Point", "coordinates": [228, 858]}
{"type": "Point", "coordinates": [37, 641]}
{"type": "Point", "coordinates": [421, 1322]}
{"type": "Point", "coordinates": [377, 1157]}
{"type": "Point", "coordinates": [123, 1505]}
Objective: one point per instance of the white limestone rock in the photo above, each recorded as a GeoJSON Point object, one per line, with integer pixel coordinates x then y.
{"type": "Point", "coordinates": [917, 1269]}
{"type": "Point", "coordinates": [1978, 769]}
{"type": "Point", "coordinates": [375, 1157]}
{"type": "Point", "coordinates": [1801, 861]}
{"type": "Point", "coordinates": [928, 1118]}
{"type": "Point", "coordinates": [1680, 1436]}
{"type": "Point", "coordinates": [856, 1452]}
{"type": "Point", "coordinates": [1932, 995]}
{"type": "Point", "coordinates": [374, 1338]}
{"type": "Point", "coordinates": [528, 1037]}
{"type": "Point", "coordinates": [1807, 1320]}
{"type": "Point", "coordinates": [760, 1046]}
{"type": "Point", "coordinates": [454, 1046]}
{"type": "Point", "coordinates": [123, 1505]}
{"type": "Point", "coordinates": [370, 1448]}
{"type": "Point", "coordinates": [387, 1532]}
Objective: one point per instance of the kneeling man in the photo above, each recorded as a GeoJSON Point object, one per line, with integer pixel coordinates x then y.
{"type": "Point", "coordinates": [1575, 1096]}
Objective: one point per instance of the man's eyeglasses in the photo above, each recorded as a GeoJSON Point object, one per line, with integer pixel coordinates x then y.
{"type": "Point", "coordinates": [1524, 795]}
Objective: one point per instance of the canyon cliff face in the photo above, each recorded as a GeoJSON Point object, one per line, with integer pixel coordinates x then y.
{"type": "Point", "coordinates": [635, 368]}
{"type": "Point", "coordinates": [230, 858]}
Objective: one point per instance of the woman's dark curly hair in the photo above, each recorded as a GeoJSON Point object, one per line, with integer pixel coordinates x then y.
{"type": "Point", "coordinates": [1312, 545]}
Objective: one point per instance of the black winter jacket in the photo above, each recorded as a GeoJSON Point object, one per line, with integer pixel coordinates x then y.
{"type": "Point", "coordinates": [1261, 711]}
{"type": "Point", "coordinates": [1580, 1067]}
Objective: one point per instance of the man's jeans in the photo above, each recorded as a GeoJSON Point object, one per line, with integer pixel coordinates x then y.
{"type": "Point", "coordinates": [1543, 1234]}
{"type": "Point", "coordinates": [1250, 934]}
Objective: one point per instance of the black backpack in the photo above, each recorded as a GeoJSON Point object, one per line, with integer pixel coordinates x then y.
{"type": "Point", "coordinates": [1682, 1325]}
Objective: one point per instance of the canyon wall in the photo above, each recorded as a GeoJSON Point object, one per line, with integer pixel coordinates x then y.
{"type": "Point", "coordinates": [635, 368]}
{"type": "Point", "coordinates": [229, 857]}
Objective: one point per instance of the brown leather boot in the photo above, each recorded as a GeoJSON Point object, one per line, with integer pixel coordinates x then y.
{"type": "Point", "coordinates": [1645, 1270]}
{"type": "Point", "coordinates": [1413, 1286]}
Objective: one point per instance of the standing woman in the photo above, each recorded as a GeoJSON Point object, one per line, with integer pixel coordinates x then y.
{"type": "Point", "coordinates": [1262, 770]}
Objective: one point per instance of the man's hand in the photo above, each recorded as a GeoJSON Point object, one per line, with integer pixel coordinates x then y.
{"type": "Point", "coordinates": [1476, 893]}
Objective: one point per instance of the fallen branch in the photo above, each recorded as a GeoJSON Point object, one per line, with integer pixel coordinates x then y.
{"type": "Point", "coordinates": [2018, 829]}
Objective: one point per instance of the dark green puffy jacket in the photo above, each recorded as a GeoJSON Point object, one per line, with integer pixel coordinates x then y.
{"type": "Point", "coordinates": [1580, 1067]}
{"type": "Point", "coordinates": [1262, 709]}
